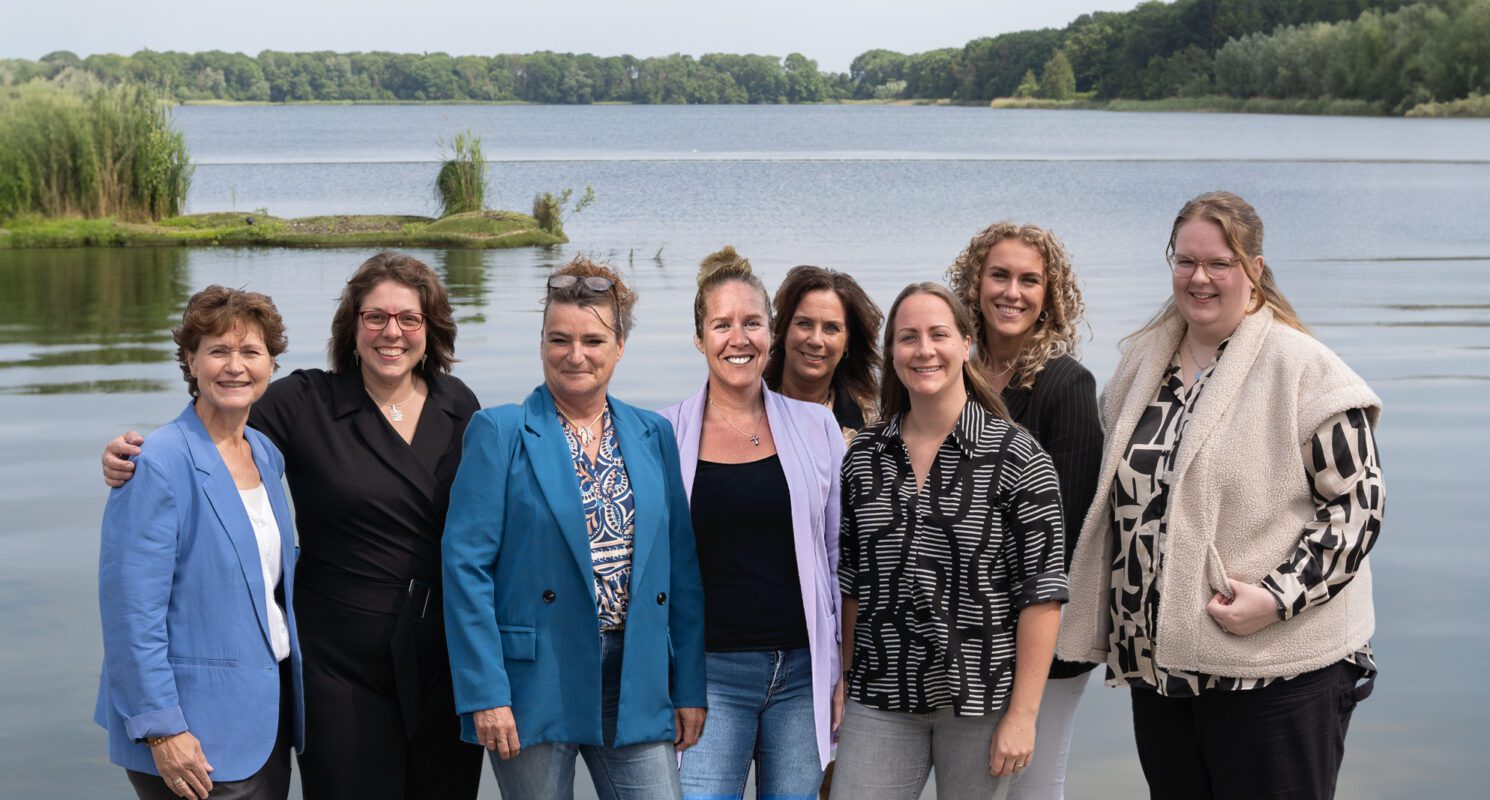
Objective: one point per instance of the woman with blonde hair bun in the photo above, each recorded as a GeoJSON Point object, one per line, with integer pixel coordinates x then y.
{"type": "Point", "coordinates": [761, 471]}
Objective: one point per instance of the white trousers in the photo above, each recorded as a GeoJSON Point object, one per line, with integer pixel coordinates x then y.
{"type": "Point", "coordinates": [1045, 776]}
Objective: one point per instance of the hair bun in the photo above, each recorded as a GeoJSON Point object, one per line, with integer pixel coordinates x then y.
{"type": "Point", "coordinates": [723, 263]}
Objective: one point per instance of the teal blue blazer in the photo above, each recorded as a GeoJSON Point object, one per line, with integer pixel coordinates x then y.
{"type": "Point", "coordinates": [184, 608]}
{"type": "Point", "coordinates": [519, 585]}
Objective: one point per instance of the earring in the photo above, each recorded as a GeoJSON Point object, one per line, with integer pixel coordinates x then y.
{"type": "Point", "coordinates": [422, 359]}
{"type": "Point", "coordinates": [1044, 315]}
{"type": "Point", "coordinates": [357, 357]}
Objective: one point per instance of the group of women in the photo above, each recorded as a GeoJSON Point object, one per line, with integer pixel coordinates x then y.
{"type": "Point", "coordinates": [813, 548]}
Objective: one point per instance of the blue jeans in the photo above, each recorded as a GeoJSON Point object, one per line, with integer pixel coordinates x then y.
{"type": "Point", "coordinates": [760, 709]}
{"type": "Point", "coordinates": [646, 771]}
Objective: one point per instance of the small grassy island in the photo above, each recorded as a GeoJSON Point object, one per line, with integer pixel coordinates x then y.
{"type": "Point", "coordinates": [97, 166]}
{"type": "Point", "coordinates": [470, 229]}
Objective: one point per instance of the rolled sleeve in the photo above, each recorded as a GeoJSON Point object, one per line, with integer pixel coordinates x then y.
{"type": "Point", "coordinates": [1034, 527]}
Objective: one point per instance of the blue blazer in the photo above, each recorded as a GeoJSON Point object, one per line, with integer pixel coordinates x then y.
{"type": "Point", "coordinates": [520, 613]}
{"type": "Point", "coordinates": [182, 596]}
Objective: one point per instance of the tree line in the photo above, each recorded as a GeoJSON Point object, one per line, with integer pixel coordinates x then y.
{"type": "Point", "coordinates": [1393, 54]}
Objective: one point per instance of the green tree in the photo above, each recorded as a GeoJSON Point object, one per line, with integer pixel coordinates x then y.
{"type": "Point", "coordinates": [1057, 81]}
{"type": "Point", "coordinates": [1028, 86]}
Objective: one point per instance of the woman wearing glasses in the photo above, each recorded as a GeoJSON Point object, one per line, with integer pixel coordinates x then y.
{"type": "Point", "coordinates": [1223, 573]}
{"type": "Point", "coordinates": [572, 593]}
{"type": "Point", "coordinates": [371, 449]}
{"type": "Point", "coordinates": [762, 475]}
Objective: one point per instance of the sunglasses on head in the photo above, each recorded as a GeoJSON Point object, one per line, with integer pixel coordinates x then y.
{"type": "Point", "coordinates": [595, 283]}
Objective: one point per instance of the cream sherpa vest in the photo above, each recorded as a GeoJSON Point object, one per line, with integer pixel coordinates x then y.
{"type": "Point", "coordinates": [1238, 503]}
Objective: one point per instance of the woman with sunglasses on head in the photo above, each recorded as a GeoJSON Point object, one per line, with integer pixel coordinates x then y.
{"type": "Point", "coordinates": [572, 592]}
{"type": "Point", "coordinates": [1223, 574]}
{"type": "Point", "coordinates": [951, 573]}
{"type": "Point", "coordinates": [371, 449]}
{"type": "Point", "coordinates": [825, 345]}
{"type": "Point", "coordinates": [761, 471]}
{"type": "Point", "coordinates": [1017, 283]}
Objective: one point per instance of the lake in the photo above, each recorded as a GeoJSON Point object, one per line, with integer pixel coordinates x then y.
{"type": "Point", "coordinates": [1378, 229]}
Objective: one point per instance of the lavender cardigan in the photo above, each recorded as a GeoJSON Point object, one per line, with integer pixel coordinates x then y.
{"type": "Point", "coordinates": [810, 446]}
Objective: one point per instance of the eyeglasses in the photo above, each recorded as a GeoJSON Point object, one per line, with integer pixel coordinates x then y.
{"type": "Point", "coordinates": [378, 320]}
{"type": "Point", "coordinates": [1215, 268]}
{"type": "Point", "coordinates": [595, 283]}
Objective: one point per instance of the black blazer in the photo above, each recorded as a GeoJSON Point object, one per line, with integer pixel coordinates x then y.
{"type": "Point", "coordinates": [1061, 413]}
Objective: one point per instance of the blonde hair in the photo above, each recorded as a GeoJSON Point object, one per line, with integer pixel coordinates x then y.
{"type": "Point", "coordinates": [1055, 333]}
{"type": "Point", "coordinates": [718, 268]}
{"type": "Point", "coordinates": [1242, 229]}
{"type": "Point", "coordinates": [895, 398]}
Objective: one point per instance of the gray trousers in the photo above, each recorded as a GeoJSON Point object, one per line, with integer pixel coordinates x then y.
{"type": "Point", "coordinates": [888, 755]}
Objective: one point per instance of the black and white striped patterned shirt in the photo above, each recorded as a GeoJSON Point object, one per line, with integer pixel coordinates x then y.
{"type": "Point", "coordinates": [941, 575]}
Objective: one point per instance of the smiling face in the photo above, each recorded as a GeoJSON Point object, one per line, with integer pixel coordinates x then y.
{"type": "Point", "coordinates": [816, 338]}
{"type": "Point", "coordinates": [232, 369]}
{"type": "Point", "coordinates": [1011, 291]}
{"type": "Point", "coordinates": [390, 353]}
{"type": "Point", "coordinates": [580, 352]}
{"type": "Point", "coordinates": [928, 352]}
{"type": "Point", "coordinates": [736, 335]}
{"type": "Point", "coordinates": [1213, 307]}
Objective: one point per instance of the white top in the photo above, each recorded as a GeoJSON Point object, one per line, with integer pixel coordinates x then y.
{"type": "Point", "coordinates": [266, 531]}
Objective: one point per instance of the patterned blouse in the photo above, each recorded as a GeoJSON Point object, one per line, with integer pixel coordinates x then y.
{"type": "Point", "coordinates": [610, 518]}
{"type": "Point", "coordinates": [1340, 464]}
{"type": "Point", "coordinates": [942, 574]}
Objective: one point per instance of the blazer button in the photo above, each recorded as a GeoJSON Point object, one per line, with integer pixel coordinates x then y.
{"type": "Point", "coordinates": [661, 598]}
{"type": "Point", "coordinates": [548, 595]}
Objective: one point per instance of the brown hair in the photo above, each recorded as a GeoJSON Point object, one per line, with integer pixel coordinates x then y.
{"type": "Point", "coordinates": [861, 359]}
{"type": "Point", "coordinates": [434, 303]}
{"type": "Point", "coordinates": [1055, 332]}
{"type": "Point", "coordinates": [1242, 228]}
{"type": "Point", "coordinates": [894, 398]}
{"type": "Point", "coordinates": [717, 269]}
{"type": "Point", "coordinates": [619, 297]}
{"type": "Point", "coordinates": [216, 310]}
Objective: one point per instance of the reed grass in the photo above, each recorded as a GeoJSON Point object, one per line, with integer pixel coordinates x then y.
{"type": "Point", "coordinates": [461, 183]}
{"type": "Point", "coordinates": [91, 152]}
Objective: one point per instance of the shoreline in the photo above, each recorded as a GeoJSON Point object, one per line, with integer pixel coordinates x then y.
{"type": "Point", "coordinates": [475, 230]}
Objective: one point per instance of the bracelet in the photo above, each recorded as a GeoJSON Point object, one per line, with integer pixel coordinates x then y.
{"type": "Point", "coordinates": [157, 740]}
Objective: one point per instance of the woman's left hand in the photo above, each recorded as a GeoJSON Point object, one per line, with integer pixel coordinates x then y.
{"type": "Point", "coordinates": [688, 727]}
{"type": "Point", "coordinates": [1013, 744]}
{"type": "Point", "coordinates": [1252, 609]}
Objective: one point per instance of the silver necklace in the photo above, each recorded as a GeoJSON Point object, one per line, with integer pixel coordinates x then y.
{"type": "Point", "coordinates": [583, 432]}
{"type": "Point", "coordinates": [1199, 370]}
{"type": "Point", "coordinates": [393, 411]}
{"type": "Point", "coordinates": [754, 438]}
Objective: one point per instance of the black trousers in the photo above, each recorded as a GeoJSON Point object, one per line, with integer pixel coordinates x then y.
{"type": "Point", "coordinates": [1281, 742]}
{"type": "Point", "coordinates": [359, 743]}
{"type": "Point", "coordinates": [271, 782]}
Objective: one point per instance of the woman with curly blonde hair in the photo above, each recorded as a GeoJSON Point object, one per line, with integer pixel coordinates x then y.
{"type": "Point", "coordinates": [1016, 281]}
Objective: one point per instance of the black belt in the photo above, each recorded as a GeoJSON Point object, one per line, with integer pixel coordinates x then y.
{"type": "Point", "coordinates": [411, 602]}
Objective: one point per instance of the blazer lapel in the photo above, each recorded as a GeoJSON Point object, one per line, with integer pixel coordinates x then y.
{"type": "Point", "coordinates": [276, 491]}
{"type": "Point", "coordinates": [222, 496]}
{"type": "Point", "coordinates": [383, 440]}
{"type": "Point", "coordinates": [1224, 385]}
{"type": "Point", "coordinates": [548, 450]}
{"type": "Point", "coordinates": [648, 484]}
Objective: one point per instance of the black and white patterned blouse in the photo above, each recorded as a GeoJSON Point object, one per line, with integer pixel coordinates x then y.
{"type": "Point", "coordinates": [1341, 467]}
{"type": "Point", "coordinates": [941, 575]}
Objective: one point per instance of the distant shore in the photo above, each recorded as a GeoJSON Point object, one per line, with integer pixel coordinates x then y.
{"type": "Point", "coordinates": [471, 230]}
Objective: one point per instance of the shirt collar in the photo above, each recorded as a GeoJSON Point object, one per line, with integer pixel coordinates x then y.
{"type": "Point", "coordinates": [967, 433]}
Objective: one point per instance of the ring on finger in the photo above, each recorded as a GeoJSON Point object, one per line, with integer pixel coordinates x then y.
{"type": "Point", "coordinates": [180, 781]}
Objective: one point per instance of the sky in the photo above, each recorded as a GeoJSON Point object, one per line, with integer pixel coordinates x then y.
{"type": "Point", "coordinates": [832, 32]}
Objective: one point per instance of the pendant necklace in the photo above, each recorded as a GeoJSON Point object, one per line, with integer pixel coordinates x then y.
{"type": "Point", "coordinates": [584, 433]}
{"type": "Point", "coordinates": [1199, 370]}
{"type": "Point", "coordinates": [754, 438]}
{"type": "Point", "coordinates": [393, 411]}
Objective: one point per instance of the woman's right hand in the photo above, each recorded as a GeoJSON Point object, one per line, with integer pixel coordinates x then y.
{"type": "Point", "coordinates": [183, 766]}
{"type": "Point", "coordinates": [497, 730]}
{"type": "Point", "coordinates": [117, 468]}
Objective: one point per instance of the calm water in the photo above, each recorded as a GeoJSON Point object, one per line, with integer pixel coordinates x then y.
{"type": "Point", "coordinates": [1379, 230]}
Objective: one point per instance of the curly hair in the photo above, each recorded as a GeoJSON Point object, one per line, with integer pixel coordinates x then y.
{"type": "Point", "coordinates": [619, 294]}
{"type": "Point", "coordinates": [1055, 332]}
{"type": "Point", "coordinates": [434, 301]}
{"type": "Point", "coordinates": [216, 310]}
